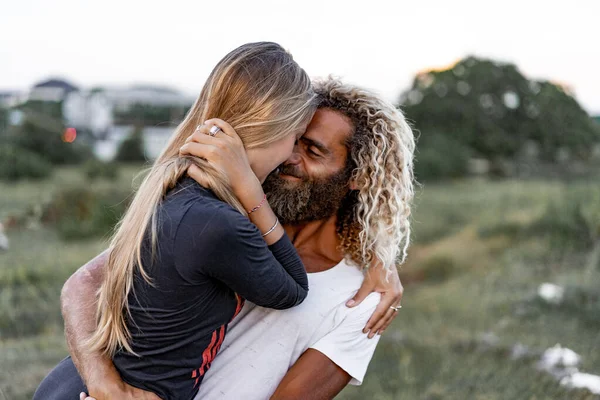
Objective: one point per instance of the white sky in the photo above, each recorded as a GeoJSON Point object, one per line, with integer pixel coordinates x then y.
{"type": "Point", "coordinates": [374, 43]}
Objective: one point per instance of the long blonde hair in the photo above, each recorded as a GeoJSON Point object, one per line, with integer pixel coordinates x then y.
{"type": "Point", "coordinates": [374, 222]}
{"type": "Point", "coordinates": [262, 92]}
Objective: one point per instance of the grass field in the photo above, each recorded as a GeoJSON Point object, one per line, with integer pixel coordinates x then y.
{"type": "Point", "coordinates": [481, 249]}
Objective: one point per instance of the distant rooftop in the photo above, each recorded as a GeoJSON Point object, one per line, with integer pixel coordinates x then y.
{"type": "Point", "coordinates": [56, 83]}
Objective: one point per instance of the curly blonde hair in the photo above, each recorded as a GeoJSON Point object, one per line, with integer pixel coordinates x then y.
{"type": "Point", "coordinates": [374, 219]}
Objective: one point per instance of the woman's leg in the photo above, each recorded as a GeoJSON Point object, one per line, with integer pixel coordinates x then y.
{"type": "Point", "coordinates": [62, 383]}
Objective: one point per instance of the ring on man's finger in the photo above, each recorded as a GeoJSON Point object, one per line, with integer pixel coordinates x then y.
{"type": "Point", "coordinates": [214, 130]}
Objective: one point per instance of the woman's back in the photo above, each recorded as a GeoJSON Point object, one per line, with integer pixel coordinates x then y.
{"type": "Point", "coordinates": [173, 320]}
{"type": "Point", "coordinates": [205, 253]}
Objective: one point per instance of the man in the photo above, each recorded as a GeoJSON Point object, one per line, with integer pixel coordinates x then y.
{"type": "Point", "coordinates": [344, 197]}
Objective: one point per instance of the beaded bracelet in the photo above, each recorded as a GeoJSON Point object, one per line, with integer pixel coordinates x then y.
{"type": "Point", "coordinates": [258, 206]}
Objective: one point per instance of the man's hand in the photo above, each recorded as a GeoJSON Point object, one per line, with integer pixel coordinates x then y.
{"type": "Point", "coordinates": [391, 290]}
{"type": "Point", "coordinates": [124, 392]}
{"type": "Point", "coordinates": [104, 383]}
{"type": "Point", "coordinates": [78, 305]}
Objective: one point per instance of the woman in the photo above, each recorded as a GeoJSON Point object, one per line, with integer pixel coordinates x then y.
{"type": "Point", "coordinates": [184, 256]}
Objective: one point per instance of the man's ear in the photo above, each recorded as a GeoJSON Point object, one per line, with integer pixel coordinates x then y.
{"type": "Point", "coordinates": [353, 184]}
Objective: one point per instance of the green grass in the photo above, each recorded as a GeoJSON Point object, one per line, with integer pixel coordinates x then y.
{"type": "Point", "coordinates": [480, 251]}
{"type": "Point", "coordinates": [22, 196]}
{"type": "Point", "coordinates": [473, 277]}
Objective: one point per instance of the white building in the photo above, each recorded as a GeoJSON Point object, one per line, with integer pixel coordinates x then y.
{"type": "Point", "coordinates": [96, 112]}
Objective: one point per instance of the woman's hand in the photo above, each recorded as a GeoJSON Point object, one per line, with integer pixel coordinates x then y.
{"type": "Point", "coordinates": [391, 291]}
{"type": "Point", "coordinates": [225, 152]}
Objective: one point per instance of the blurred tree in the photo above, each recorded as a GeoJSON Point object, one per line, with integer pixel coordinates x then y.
{"type": "Point", "coordinates": [3, 121]}
{"type": "Point", "coordinates": [493, 110]}
{"type": "Point", "coordinates": [150, 115]}
{"type": "Point", "coordinates": [132, 148]}
{"type": "Point", "coordinates": [17, 163]}
{"type": "Point", "coordinates": [43, 133]}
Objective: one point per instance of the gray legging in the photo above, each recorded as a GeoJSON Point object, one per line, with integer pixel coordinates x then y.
{"type": "Point", "coordinates": [62, 383]}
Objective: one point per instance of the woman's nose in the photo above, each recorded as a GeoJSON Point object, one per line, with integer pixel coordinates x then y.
{"type": "Point", "coordinates": [294, 158]}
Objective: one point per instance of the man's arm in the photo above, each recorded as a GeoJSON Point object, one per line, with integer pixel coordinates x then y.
{"type": "Point", "coordinates": [338, 358]}
{"type": "Point", "coordinates": [78, 302]}
{"type": "Point", "coordinates": [78, 305]}
{"type": "Point", "coordinates": [313, 377]}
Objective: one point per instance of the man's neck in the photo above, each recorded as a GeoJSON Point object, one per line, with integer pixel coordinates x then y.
{"type": "Point", "coordinates": [317, 243]}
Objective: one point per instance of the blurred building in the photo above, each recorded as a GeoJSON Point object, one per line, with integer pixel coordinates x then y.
{"type": "Point", "coordinates": [102, 116]}
{"type": "Point", "coordinates": [111, 114]}
{"type": "Point", "coordinates": [52, 90]}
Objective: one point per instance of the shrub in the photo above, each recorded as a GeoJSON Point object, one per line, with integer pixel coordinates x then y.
{"type": "Point", "coordinates": [95, 169]}
{"type": "Point", "coordinates": [132, 148]}
{"type": "Point", "coordinates": [80, 213]}
{"type": "Point", "coordinates": [440, 156]}
{"type": "Point", "coordinates": [17, 163]}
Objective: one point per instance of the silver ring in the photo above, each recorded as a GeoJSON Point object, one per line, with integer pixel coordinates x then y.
{"type": "Point", "coordinates": [396, 308]}
{"type": "Point", "coordinates": [214, 130]}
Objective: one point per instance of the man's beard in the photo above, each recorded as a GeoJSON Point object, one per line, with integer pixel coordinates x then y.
{"type": "Point", "coordinates": [305, 200]}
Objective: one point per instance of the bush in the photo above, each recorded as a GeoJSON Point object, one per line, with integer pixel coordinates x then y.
{"type": "Point", "coordinates": [43, 132]}
{"type": "Point", "coordinates": [17, 163]}
{"type": "Point", "coordinates": [132, 148]}
{"type": "Point", "coordinates": [80, 213]}
{"type": "Point", "coordinates": [440, 156]}
{"type": "Point", "coordinates": [95, 169]}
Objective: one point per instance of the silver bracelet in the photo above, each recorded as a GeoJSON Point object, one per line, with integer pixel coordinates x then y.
{"type": "Point", "coordinates": [272, 228]}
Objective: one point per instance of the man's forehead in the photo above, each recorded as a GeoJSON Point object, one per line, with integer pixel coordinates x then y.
{"type": "Point", "coordinates": [329, 127]}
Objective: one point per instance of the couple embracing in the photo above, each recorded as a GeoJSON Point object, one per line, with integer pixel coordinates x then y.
{"type": "Point", "coordinates": [258, 257]}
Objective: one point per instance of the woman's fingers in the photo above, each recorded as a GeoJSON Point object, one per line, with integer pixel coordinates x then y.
{"type": "Point", "coordinates": [379, 313]}
{"type": "Point", "coordinates": [387, 323]}
{"type": "Point", "coordinates": [202, 133]}
{"type": "Point", "coordinates": [196, 174]}
{"type": "Point", "coordinates": [202, 150]}
{"type": "Point", "coordinates": [390, 314]}
{"type": "Point", "coordinates": [199, 137]}
{"type": "Point", "coordinates": [225, 127]}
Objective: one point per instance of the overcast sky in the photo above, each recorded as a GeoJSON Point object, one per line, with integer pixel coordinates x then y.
{"type": "Point", "coordinates": [378, 44]}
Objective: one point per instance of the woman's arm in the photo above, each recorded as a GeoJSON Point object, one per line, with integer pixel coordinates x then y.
{"type": "Point", "coordinates": [226, 153]}
{"type": "Point", "coordinates": [217, 241]}
{"type": "Point", "coordinates": [378, 280]}
{"type": "Point", "coordinates": [252, 256]}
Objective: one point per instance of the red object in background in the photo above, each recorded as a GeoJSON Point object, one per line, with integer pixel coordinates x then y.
{"type": "Point", "coordinates": [70, 135]}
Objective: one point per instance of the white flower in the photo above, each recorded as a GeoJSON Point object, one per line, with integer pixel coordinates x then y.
{"type": "Point", "coordinates": [3, 239]}
{"type": "Point", "coordinates": [551, 293]}
{"type": "Point", "coordinates": [559, 356]}
{"type": "Point", "coordinates": [582, 380]}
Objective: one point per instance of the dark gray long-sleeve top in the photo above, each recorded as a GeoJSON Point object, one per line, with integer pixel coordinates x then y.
{"type": "Point", "coordinates": [209, 258]}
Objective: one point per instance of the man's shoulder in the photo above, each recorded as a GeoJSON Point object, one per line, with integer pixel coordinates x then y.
{"type": "Point", "coordinates": [339, 285]}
